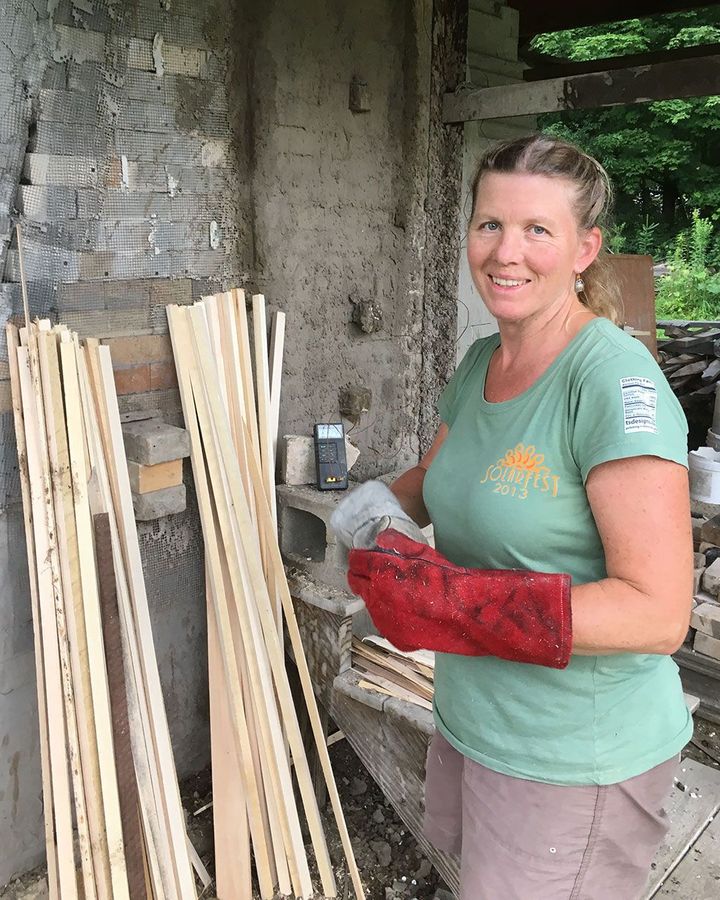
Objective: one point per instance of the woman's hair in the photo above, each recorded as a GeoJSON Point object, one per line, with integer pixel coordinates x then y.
{"type": "Point", "coordinates": [541, 154]}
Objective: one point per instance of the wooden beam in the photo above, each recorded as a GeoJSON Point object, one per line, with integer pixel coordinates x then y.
{"type": "Point", "coordinates": [699, 77]}
{"type": "Point", "coordinates": [547, 67]}
{"type": "Point", "coordinates": [558, 15]}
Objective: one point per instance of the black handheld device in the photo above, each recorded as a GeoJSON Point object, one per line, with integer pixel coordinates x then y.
{"type": "Point", "coordinates": [330, 459]}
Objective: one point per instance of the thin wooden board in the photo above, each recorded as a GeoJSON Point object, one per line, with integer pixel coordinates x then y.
{"type": "Point", "coordinates": [689, 812]}
{"type": "Point", "coordinates": [698, 875]}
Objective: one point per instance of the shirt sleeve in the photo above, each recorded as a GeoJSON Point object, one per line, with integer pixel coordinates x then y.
{"type": "Point", "coordinates": [451, 397]}
{"type": "Point", "coordinates": [624, 408]}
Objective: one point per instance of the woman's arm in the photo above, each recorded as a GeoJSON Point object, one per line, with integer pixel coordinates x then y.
{"type": "Point", "coordinates": [408, 487]}
{"type": "Point", "coordinates": [641, 507]}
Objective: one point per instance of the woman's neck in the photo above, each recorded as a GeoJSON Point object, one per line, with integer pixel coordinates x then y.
{"type": "Point", "coordinates": [537, 339]}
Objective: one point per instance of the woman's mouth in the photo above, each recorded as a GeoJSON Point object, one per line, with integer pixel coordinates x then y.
{"type": "Point", "coordinates": [508, 282]}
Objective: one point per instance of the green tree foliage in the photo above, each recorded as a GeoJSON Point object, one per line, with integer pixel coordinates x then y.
{"type": "Point", "coordinates": [664, 157]}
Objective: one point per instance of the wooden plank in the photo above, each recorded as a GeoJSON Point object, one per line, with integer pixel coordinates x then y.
{"type": "Point", "coordinates": [219, 312]}
{"type": "Point", "coordinates": [120, 485]}
{"type": "Point", "coordinates": [222, 629]}
{"type": "Point", "coordinates": [259, 629]}
{"type": "Point", "coordinates": [268, 526]}
{"type": "Point", "coordinates": [698, 874]}
{"type": "Point", "coordinates": [690, 810]}
{"type": "Point", "coordinates": [12, 336]}
{"type": "Point", "coordinates": [62, 593]}
{"type": "Point", "coordinates": [127, 784]}
{"type": "Point", "coordinates": [699, 77]}
{"type": "Point", "coordinates": [277, 346]}
{"type": "Point", "coordinates": [57, 735]}
{"type": "Point", "coordinates": [100, 495]}
{"type": "Point", "coordinates": [144, 479]}
{"type": "Point", "coordinates": [98, 830]}
{"type": "Point", "coordinates": [634, 274]}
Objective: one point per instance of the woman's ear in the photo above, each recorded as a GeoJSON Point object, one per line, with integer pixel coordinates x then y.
{"type": "Point", "coordinates": [590, 244]}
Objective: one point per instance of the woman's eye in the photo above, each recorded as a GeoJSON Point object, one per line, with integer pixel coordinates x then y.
{"type": "Point", "coordinates": [538, 229]}
{"type": "Point", "coordinates": [489, 226]}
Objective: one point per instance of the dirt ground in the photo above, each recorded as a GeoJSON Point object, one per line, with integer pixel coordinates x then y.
{"type": "Point", "coordinates": [391, 864]}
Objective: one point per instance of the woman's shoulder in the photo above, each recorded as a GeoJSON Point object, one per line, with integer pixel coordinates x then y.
{"type": "Point", "coordinates": [606, 346]}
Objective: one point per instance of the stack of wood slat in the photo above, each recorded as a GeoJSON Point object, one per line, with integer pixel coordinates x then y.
{"type": "Point", "coordinates": [690, 358]}
{"type": "Point", "coordinates": [384, 668]}
{"type": "Point", "coordinates": [256, 740]}
{"type": "Point", "coordinates": [107, 763]}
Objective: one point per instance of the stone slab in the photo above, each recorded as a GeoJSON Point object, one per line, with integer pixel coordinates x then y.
{"type": "Point", "coordinates": [710, 531]}
{"type": "Point", "coordinates": [709, 646]}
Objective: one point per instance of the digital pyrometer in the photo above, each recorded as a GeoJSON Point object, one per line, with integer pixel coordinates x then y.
{"type": "Point", "coordinates": [330, 459]}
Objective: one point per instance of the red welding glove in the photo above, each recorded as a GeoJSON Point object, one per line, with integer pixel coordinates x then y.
{"type": "Point", "coordinates": [420, 600]}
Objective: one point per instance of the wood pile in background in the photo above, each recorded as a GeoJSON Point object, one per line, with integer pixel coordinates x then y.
{"type": "Point", "coordinates": [689, 355]}
{"type": "Point", "coordinates": [384, 668]}
{"type": "Point", "coordinates": [231, 417]}
{"type": "Point", "coordinates": [107, 763]}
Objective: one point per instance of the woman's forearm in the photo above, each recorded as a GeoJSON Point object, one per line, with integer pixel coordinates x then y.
{"type": "Point", "coordinates": [613, 616]}
{"type": "Point", "coordinates": [408, 490]}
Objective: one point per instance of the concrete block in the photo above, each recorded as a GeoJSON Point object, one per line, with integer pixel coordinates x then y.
{"type": "Point", "coordinates": [697, 577]}
{"type": "Point", "coordinates": [158, 504]}
{"type": "Point", "coordinates": [706, 510]}
{"type": "Point", "coordinates": [297, 458]}
{"type": "Point", "coordinates": [710, 531]}
{"type": "Point", "coordinates": [708, 646]}
{"type": "Point", "coordinates": [711, 578]}
{"type": "Point", "coordinates": [71, 171]}
{"type": "Point", "coordinates": [151, 442]}
{"type": "Point", "coordinates": [699, 560]}
{"type": "Point", "coordinates": [706, 618]}
{"type": "Point", "coordinates": [305, 539]}
{"type": "Point", "coordinates": [46, 204]}
{"type": "Point", "coordinates": [697, 524]}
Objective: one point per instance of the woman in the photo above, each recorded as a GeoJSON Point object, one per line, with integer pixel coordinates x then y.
{"type": "Point", "coordinates": [559, 711]}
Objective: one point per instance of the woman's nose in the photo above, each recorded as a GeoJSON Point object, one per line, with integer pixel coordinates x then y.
{"type": "Point", "coordinates": [507, 248]}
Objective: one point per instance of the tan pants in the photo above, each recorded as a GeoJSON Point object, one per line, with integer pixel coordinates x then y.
{"type": "Point", "coordinates": [525, 840]}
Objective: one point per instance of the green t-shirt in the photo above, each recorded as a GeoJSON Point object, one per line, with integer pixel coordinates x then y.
{"type": "Point", "coordinates": [506, 490]}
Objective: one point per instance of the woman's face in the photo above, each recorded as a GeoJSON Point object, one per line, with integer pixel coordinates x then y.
{"type": "Point", "coordinates": [524, 247]}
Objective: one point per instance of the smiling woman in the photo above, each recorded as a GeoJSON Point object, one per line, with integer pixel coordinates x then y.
{"type": "Point", "coordinates": [561, 580]}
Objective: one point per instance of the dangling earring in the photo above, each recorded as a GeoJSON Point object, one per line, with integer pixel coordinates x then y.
{"type": "Point", "coordinates": [579, 284]}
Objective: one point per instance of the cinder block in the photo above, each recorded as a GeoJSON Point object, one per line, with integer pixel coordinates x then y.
{"type": "Point", "coordinates": [151, 442]}
{"type": "Point", "coordinates": [711, 578]}
{"type": "Point", "coordinates": [305, 538]}
{"type": "Point", "coordinates": [706, 618]}
{"type": "Point", "coordinates": [709, 646]}
{"type": "Point", "coordinates": [157, 504]}
{"type": "Point", "coordinates": [297, 458]}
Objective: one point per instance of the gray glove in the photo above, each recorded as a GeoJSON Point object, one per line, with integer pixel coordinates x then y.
{"type": "Point", "coordinates": [366, 511]}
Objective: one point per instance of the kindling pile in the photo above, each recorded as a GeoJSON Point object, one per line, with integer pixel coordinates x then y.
{"type": "Point", "coordinates": [387, 670]}
{"type": "Point", "coordinates": [107, 764]}
{"type": "Point", "coordinates": [256, 739]}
